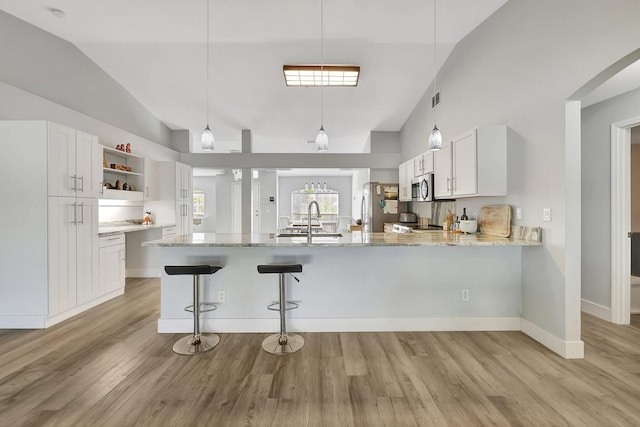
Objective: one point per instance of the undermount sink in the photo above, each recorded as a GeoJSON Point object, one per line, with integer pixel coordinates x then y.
{"type": "Point", "coordinates": [314, 235]}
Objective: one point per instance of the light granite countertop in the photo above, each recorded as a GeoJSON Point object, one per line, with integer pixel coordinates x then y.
{"type": "Point", "coordinates": [431, 238]}
{"type": "Point", "coordinates": [108, 228]}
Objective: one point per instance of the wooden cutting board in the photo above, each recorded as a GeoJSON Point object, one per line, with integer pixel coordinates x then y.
{"type": "Point", "coordinates": [495, 220]}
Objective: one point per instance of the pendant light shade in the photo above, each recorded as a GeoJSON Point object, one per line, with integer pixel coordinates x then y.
{"type": "Point", "coordinates": [435, 139]}
{"type": "Point", "coordinates": [207, 139]}
{"type": "Point", "coordinates": [322, 140]}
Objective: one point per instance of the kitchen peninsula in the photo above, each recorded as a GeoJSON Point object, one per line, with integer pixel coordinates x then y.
{"type": "Point", "coordinates": [357, 282]}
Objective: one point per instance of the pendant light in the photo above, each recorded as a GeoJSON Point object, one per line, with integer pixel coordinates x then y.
{"type": "Point", "coordinates": [322, 139]}
{"type": "Point", "coordinates": [207, 136]}
{"type": "Point", "coordinates": [435, 139]}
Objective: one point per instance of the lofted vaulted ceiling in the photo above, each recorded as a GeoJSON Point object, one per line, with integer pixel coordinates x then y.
{"type": "Point", "coordinates": [156, 49]}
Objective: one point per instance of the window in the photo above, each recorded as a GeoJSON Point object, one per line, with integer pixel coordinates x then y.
{"type": "Point", "coordinates": [198, 204]}
{"type": "Point", "coordinates": [327, 201]}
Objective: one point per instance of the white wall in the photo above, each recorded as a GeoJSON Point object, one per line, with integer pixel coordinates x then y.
{"type": "Point", "coordinates": [47, 66]}
{"type": "Point", "coordinates": [18, 104]}
{"type": "Point", "coordinates": [519, 72]}
{"type": "Point", "coordinates": [596, 189]}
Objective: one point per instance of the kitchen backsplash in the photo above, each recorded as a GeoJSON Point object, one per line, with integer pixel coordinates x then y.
{"type": "Point", "coordinates": [116, 210]}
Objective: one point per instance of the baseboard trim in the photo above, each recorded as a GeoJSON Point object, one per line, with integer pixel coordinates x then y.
{"type": "Point", "coordinates": [143, 272]}
{"type": "Point", "coordinates": [22, 322]}
{"type": "Point", "coordinates": [597, 310]}
{"type": "Point", "coordinates": [50, 321]}
{"type": "Point", "coordinates": [185, 325]}
{"type": "Point", "coordinates": [566, 349]}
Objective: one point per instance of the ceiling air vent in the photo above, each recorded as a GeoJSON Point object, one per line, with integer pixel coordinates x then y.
{"type": "Point", "coordinates": [435, 100]}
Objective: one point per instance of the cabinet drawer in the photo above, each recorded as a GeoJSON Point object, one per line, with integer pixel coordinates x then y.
{"type": "Point", "coordinates": [168, 231]}
{"type": "Point", "coordinates": [115, 239]}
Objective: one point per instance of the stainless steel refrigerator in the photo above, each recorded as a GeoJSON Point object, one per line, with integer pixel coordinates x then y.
{"type": "Point", "coordinates": [379, 205]}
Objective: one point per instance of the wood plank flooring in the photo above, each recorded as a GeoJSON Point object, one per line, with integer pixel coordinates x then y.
{"type": "Point", "coordinates": [109, 367]}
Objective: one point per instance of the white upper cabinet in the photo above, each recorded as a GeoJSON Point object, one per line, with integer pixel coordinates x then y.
{"type": "Point", "coordinates": [86, 164]}
{"type": "Point", "coordinates": [402, 173]}
{"type": "Point", "coordinates": [405, 174]}
{"type": "Point", "coordinates": [472, 164]}
{"type": "Point", "coordinates": [443, 171]}
{"type": "Point", "coordinates": [465, 165]}
{"type": "Point", "coordinates": [63, 179]}
{"type": "Point", "coordinates": [73, 162]}
{"type": "Point", "coordinates": [423, 163]}
{"type": "Point", "coordinates": [152, 183]}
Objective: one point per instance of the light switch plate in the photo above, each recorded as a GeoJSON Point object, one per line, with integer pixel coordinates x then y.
{"type": "Point", "coordinates": [546, 214]}
{"type": "Point", "coordinates": [518, 213]}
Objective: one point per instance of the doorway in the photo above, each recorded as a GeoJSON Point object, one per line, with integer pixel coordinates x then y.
{"type": "Point", "coordinates": [621, 220]}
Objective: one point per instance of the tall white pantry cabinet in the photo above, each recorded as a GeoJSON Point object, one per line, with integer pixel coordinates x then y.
{"type": "Point", "coordinates": [50, 184]}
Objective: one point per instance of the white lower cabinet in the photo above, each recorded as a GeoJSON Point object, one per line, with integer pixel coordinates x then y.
{"type": "Point", "coordinates": [112, 263]}
{"type": "Point", "coordinates": [73, 252]}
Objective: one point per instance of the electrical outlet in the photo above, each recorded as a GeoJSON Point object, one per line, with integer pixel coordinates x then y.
{"type": "Point", "coordinates": [518, 213]}
{"type": "Point", "coordinates": [464, 294]}
{"type": "Point", "coordinates": [546, 214]}
{"type": "Point", "coordinates": [221, 296]}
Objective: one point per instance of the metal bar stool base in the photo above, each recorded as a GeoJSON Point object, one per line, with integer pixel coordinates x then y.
{"type": "Point", "coordinates": [190, 345]}
{"type": "Point", "coordinates": [293, 343]}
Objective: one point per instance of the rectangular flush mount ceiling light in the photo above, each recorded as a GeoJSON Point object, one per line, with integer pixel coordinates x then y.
{"type": "Point", "coordinates": [310, 75]}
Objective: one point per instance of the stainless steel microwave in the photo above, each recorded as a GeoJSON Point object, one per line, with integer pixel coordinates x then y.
{"type": "Point", "coordinates": [422, 189]}
{"type": "Point", "coordinates": [415, 189]}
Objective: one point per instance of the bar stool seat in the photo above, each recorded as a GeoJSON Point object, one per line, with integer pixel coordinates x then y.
{"type": "Point", "coordinates": [282, 343]}
{"type": "Point", "coordinates": [195, 343]}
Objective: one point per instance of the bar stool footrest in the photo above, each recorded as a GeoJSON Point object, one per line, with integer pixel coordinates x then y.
{"type": "Point", "coordinates": [213, 307]}
{"type": "Point", "coordinates": [290, 305]}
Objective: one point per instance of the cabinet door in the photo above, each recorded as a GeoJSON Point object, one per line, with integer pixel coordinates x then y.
{"type": "Point", "coordinates": [182, 181]}
{"type": "Point", "coordinates": [442, 170]}
{"type": "Point", "coordinates": [62, 179]}
{"type": "Point", "coordinates": [184, 218]}
{"type": "Point", "coordinates": [87, 281]}
{"type": "Point", "coordinates": [112, 268]}
{"type": "Point", "coordinates": [151, 180]}
{"type": "Point", "coordinates": [63, 217]}
{"type": "Point", "coordinates": [418, 165]}
{"type": "Point", "coordinates": [86, 164]}
{"type": "Point", "coordinates": [465, 165]}
{"type": "Point", "coordinates": [402, 179]}
{"type": "Point", "coordinates": [427, 162]}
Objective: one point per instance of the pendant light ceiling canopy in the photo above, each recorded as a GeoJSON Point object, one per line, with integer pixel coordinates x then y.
{"type": "Point", "coordinates": [435, 138]}
{"type": "Point", "coordinates": [207, 139]}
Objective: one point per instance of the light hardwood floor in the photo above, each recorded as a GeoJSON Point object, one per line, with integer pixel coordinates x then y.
{"type": "Point", "coordinates": [110, 367]}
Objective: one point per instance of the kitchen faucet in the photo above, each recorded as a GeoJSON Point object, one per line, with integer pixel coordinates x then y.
{"type": "Point", "coordinates": [313, 202]}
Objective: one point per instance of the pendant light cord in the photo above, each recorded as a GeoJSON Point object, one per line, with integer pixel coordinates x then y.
{"type": "Point", "coordinates": [322, 64]}
{"type": "Point", "coordinates": [435, 71]}
{"type": "Point", "coordinates": [208, 17]}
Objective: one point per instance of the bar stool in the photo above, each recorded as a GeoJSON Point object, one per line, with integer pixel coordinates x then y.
{"type": "Point", "coordinates": [282, 343]}
{"type": "Point", "coordinates": [196, 343]}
